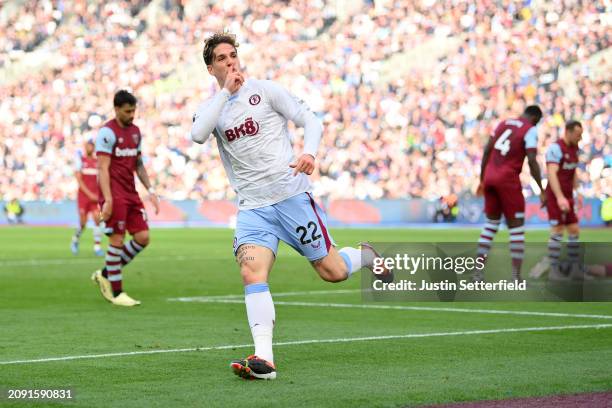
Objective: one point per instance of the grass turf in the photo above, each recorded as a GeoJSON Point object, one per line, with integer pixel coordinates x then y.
{"type": "Point", "coordinates": [49, 308]}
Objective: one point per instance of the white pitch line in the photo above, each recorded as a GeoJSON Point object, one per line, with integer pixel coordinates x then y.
{"type": "Point", "coordinates": [213, 299]}
{"type": "Point", "coordinates": [279, 294]}
{"type": "Point", "coordinates": [97, 260]}
{"type": "Point", "coordinates": [316, 341]}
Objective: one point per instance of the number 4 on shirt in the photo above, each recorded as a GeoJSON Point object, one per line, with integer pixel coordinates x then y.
{"type": "Point", "coordinates": [503, 143]}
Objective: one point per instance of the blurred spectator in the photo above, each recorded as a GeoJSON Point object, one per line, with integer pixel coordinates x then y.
{"type": "Point", "coordinates": [446, 209]}
{"type": "Point", "coordinates": [14, 211]}
{"type": "Point", "coordinates": [606, 211]}
{"type": "Point", "coordinates": [418, 134]}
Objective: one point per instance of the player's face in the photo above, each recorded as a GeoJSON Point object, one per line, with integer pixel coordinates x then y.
{"type": "Point", "coordinates": [225, 57]}
{"type": "Point", "coordinates": [125, 114]}
{"type": "Point", "coordinates": [89, 148]}
{"type": "Point", "coordinates": [574, 136]}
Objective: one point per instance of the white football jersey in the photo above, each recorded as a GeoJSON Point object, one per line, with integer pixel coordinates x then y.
{"type": "Point", "coordinates": [254, 141]}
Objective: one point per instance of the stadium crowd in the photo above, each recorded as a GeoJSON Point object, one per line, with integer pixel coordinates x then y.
{"type": "Point", "coordinates": [417, 132]}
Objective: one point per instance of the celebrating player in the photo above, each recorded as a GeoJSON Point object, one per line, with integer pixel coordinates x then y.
{"type": "Point", "coordinates": [119, 156]}
{"type": "Point", "coordinates": [501, 166]}
{"type": "Point", "coordinates": [87, 200]}
{"type": "Point", "coordinates": [561, 163]}
{"type": "Point", "coordinates": [249, 121]}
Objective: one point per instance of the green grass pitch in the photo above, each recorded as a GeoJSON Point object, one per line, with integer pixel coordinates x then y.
{"type": "Point", "coordinates": [49, 308]}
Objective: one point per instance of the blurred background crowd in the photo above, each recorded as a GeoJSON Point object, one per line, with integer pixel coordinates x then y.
{"type": "Point", "coordinates": [408, 90]}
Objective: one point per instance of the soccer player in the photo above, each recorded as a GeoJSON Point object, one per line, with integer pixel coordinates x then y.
{"type": "Point", "coordinates": [501, 166]}
{"type": "Point", "coordinates": [118, 147]}
{"type": "Point", "coordinates": [561, 163]}
{"type": "Point", "coordinates": [87, 199]}
{"type": "Point", "coordinates": [249, 121]}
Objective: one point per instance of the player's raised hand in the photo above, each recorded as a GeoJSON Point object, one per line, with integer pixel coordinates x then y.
{"type": "Point", "coordinates": [233, 80]}
{"type": "Point", "coordinates": [107, 211]}
{"type": "Point", "coordinates": [563, 204]}
{"type": "Point", "coordinates": [304, 164]}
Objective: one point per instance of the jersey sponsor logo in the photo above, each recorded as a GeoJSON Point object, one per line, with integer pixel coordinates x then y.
{"type": "Point", "coordinates": [89, 171]}
{"type": "Point", "coordinates": [569, 166]}
{"type": "Point", "coordinates": [125, 152]}
{"type": "Point", "coordinates": [248, 128]}
{"type": "Point", "coordinates": [254, 99]}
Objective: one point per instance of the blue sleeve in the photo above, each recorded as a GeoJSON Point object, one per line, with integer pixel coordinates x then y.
{"type": "Point", "coordinates": [105, 141]}
{"type": "Point", "coordinates": [554, 154]}
{"type": "Point", "coordinates": [531, 138]}
{"type": "Point", "coordinates": [78, 162]}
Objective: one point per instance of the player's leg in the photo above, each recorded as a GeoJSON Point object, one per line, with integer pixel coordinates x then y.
{"type": "Point", "coordinates": [304, 227]}
{"type": "Point", "coordinates": [97, 233]}
{"type": "Point", "coordinates": [489, 229]}
{"type": "Point", "coordinates": [339, 265]}
{"type": "Point", "coordinates": [74, 244]}
{"type": "Point", "coordinates": [516, 228]}
{"type": "Point", "coordinates": [112, 271]}
{"type": "Point", "coordinates": [555, 240]}
{"type": "Point", "coordinates": [140, 240]}
{"type": "Point", "coordinates": [513, 208]}
{"type": "Point", "coordinates": [110, 278]}
{"type": "Point", "coordinates": [255, 264]}
{"type": "Point", "coordinates": [255, 246]}
{"type": "Point", "coordinates": [138, 227]}
{"type": "Point", "coordinates": [573, 251]}
{"type": "Point", "coordinates": [554, 250]}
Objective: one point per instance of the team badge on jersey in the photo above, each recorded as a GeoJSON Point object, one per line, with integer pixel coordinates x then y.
{"type": "Point", "coordinates": [254, 99]}
{"type": "Point", "coordinates": [135, 138]}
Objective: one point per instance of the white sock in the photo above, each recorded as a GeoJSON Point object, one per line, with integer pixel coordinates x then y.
{"type": "Point", "coordinates": [97, 237]}
{"type": "Point", "coordinates": [261, 315]}
{"type": "Point", "coordinates": [77, 234]}
{"type": "Point", "coordinates": [353, 259]}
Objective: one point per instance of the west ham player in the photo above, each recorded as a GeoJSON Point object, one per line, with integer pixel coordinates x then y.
{"type": "Point", "coordinates": [561, 163]}
{"type": "Point", "coordinates": [501, 166]}
{"type": "Point", "coordinates": [249, 121]}
{"type": "Point", "coordinates": [119, 156]}
{"type": "Point", "coordinates": [87, 200]}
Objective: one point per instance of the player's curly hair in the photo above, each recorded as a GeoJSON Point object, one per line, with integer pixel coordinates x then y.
{"type": "Point", "coordinates": [214, 40]}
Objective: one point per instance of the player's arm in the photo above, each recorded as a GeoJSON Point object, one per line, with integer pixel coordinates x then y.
{"type": "Point", "coordinates": [207, 115]}
{"type": "Point", "coordinates": [83, 186]}
{"type": "Point", "coordinates": [485, 158]}
{"type": "Point", "coordinates": [531, 148]}
{"type": "Point", "coordinates": [143, 176]}
{"type": "Point", "coordinates": [578, 197]}
{"type": "Point", "coordinates": [298, 112]}
{"type": "Point", "coordinates": [105, 142]}
{"type": "Point", "coordinates": [483, 165]}
{"type": "Point", "coordinates": [553, 159]}
{"type": "Point", "coordinates": [104, 161]}
{"type": "Point", "coordinates": [79, 177]}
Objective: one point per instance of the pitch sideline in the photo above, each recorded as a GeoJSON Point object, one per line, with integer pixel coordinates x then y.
{"type": "Point", "coordinates": [316, 341]}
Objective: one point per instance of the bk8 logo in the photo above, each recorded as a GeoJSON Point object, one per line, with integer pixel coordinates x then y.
{"type": "Point", "coordinates": [248, 128]}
